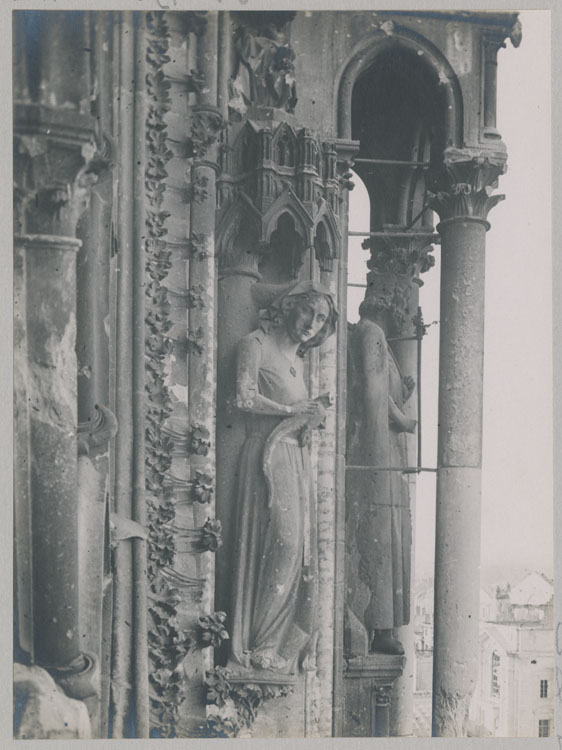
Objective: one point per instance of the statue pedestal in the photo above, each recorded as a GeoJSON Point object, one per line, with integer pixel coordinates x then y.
{"type": "Point", "coordinates": [279, 715]}
{"type": "Point", "coordinates": [368, 683]}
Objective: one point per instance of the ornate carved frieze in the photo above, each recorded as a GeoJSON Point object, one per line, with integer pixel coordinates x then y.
{"type": "Point", "coordinates": [462, 187]}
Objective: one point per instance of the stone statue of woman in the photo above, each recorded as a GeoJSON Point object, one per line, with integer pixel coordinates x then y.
{"type": "Point", "coordinates": [275, 570]}
{"type": "Point", "coordinates": [265, 73]}
{"type": "Point", "coordinates": [378, 523]}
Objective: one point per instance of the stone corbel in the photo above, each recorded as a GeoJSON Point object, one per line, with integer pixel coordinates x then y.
{"type": "Point", "coordinates": [345, 150]}
{"type": "Point", "coordinates": [463, 187]}
{"type": "Point", "coordinates": [97, 432]}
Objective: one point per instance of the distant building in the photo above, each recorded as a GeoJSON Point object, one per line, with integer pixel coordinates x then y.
{"type": "Point", "coordinates": [515, 691]}
{"type": "Point", "coordinates": [488, 606]}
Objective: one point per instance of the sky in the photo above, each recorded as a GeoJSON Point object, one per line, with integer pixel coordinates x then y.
{"type": "Point", "coordinates": [517, 496]}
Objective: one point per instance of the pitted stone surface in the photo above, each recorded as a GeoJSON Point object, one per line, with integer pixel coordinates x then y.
{"type": "Point", "coordinates": [43, 711]}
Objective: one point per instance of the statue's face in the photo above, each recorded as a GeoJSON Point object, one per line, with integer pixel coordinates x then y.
{"type": "Point", "coordinates": [307, 318]}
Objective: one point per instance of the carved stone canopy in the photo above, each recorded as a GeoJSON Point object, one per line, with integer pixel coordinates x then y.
{"type": "Point", "coordinates": [276, 174]}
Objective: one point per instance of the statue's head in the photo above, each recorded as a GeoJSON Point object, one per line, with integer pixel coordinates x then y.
{"type": "Point", "coordinates": [387, 295]}
{"type": "Point", "coordinates": [308, 311]}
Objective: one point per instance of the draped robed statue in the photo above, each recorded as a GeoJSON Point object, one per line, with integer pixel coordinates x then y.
{"type": "Point", "coordinates": [275, 568]}
{"type": "Point", "coordinates": [378, 519]}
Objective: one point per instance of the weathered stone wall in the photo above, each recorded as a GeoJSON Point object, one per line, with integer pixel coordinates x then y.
{"type": "Point", "coordinates": [325, 43]}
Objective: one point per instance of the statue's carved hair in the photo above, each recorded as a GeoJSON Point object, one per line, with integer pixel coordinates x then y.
{"type": "Point", "coordinates": [387, 296]}
{"type": "Point", "coordinates": [278, 314]}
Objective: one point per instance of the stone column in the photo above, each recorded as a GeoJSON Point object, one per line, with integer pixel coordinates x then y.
{"type": "Point", "coordinates": [54, 147]}
{"type": "Point", "coordinates": [205, 125]}
{"type": "Point", "coordinates": [48, 264]}
{"type": "Point", "coordinates": [462, 199]}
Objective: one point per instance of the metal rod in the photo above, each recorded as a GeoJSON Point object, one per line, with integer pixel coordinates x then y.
{"type": "Point", "coordinates": [403, 469]}
{"type": "Point", "coordinates": [418, 385]}
{"type": "Point", "coordinates": [394, 162]}
{"type": "Point", "coordinates": [403, 338]}
{"type": "Point", "coordinates": [430, 236]}
{"type": "Point", "coordinates": [359, 286]}
{"type": "Point", "coordinates": [419, 216]}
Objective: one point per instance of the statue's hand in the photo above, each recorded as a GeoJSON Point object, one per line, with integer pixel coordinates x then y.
{"type": "Point", "coordinates": [408, 385]}
{"type": "Point", "coordinates": [410, 424]}
{"type": "Point", "coordinates": [312, 409]}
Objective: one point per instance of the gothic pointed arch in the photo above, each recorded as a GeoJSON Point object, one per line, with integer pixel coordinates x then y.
{"type": "Point", "coordinates": [239, 232]}
{"type": "Point", "coordinates": [287, 202]}
{"type": "Point", "coordinates": [327, 236]}
{"type": "Point", "coordinates": [285, 146]}
{"type": "Point", "coordinates": [245, 149]}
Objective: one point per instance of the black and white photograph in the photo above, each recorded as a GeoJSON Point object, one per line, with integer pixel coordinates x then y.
{"type": "Point", "coordinates": [283, 375]}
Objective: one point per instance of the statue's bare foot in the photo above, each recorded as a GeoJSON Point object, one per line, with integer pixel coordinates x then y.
{"type": "Point", "coordinates": [385, 643]}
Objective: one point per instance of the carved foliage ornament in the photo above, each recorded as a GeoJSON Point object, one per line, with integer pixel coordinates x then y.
{"type": "Point", "coordinates": [463, 186]}
{"type": "Point", "coordinates": [395, 265]}
{"type": "Point", "coordinates": [205, 128]}
{"type": "Point", "coordinates": [232, 706]}
{"type": "Point", "coordinates": [54, 179]}
{"type": "Point", "coordinates": [168, 643]}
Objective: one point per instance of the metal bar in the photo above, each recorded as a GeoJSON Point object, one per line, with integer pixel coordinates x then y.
{"type": "Point", "coordinates": [403, 338]}
{"type": "Point", "coordinates": [393, 162]}
{"type": "Point", "coordinates": [434, 237]}
{"type": "Point", "coordinates": [418, 385]}
{"type": "Point", "coordinates": [359, 286]}
{"type": "Point", "coordinates": [421, 213]}
{"type": "Point", "coordinates": [403, 469]}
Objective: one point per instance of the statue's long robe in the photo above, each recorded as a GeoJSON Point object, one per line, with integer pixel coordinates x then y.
{"type": "Point", "coordinates": [275, 567]}
{"type": "Point", "coordinates": [378, 525]}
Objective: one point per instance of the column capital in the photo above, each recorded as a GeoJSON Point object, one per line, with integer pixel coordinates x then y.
{"type": "Point", "coordinates": [383, 695]}
{"type": "Point", "coordinates": [461, 188]}
{"type": "Point", "coordinates": [401, 252]}
{"type": "Point", "coordinates": [53, 182]}
{"type": "Point", "coordinates": [207, 124]}
{"type": "Point", "coordinates": [396, 262]}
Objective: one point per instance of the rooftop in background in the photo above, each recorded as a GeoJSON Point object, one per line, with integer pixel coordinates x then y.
{"type": "Point", "coordinates": [536, 590]}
